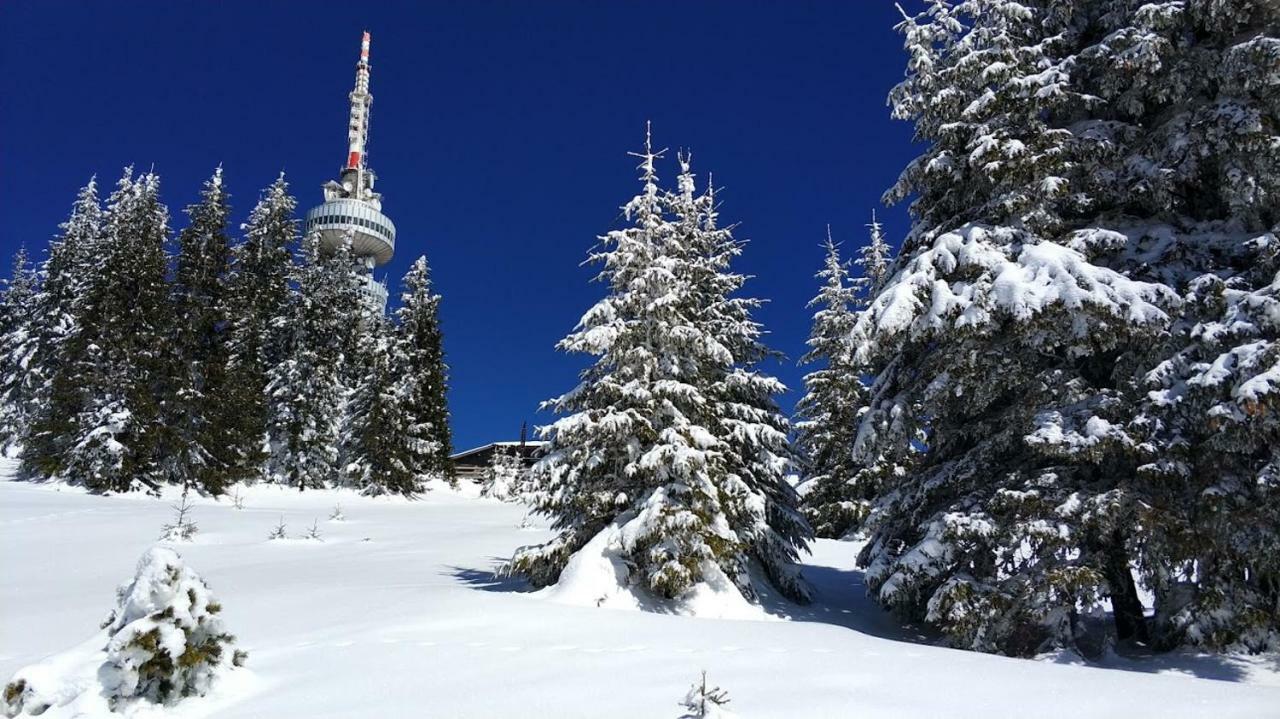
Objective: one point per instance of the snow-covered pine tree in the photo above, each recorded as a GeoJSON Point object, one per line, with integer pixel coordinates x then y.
{"type": "Point", "coordinates": [424, 376]}
{"type": "Point", "coordinates": [874, 258]}
{"type": "Point", "coordinates": [830, 409]}
{"type": "Point", "coordinates": [1186, 115]}
{"type": "Point", "coordinates": [56, 350]}
{"type": "Point", "coordinates": [17, 312]}
{"type": "Point", "coordinates": [306, 393]}
{"type": "Point", "coordinates": [125, 323]}
{"type": "Point", "coordinates": [257, 294]}
{"type": "Point", "coordinates": [760, 503]}
{"type": "Point", "coordinates": [197, 446]}
{"type": "Point", "coordinates": [837, 488]}
{"type": "Point", "coordinates": [504, 478]}
{"type": "Point", "coordinates": [379, 440]}
{"type": "Point", "coordinates": [1002, 343]}
{"type": "Point", "coordinates": [639, 466]}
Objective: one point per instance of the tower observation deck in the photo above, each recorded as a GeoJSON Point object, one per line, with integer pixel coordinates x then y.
{"type": "Point", "coordinates": [352, 211]}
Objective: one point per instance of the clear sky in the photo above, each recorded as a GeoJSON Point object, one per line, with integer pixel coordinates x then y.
{"type": "Point", "coordinates": [499, 135]}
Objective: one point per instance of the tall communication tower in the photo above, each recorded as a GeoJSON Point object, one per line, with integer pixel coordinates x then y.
{"type": "Point", "coordinates": [352, 211]}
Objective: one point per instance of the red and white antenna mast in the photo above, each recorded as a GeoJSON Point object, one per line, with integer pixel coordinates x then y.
{"type": "Point", "coordinates": [351, 215]}
{"type": "Point", "coordinates": [358, 126]}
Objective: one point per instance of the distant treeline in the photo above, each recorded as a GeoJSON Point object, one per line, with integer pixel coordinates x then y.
{"type": "Point", "coordinates": [132, 359]}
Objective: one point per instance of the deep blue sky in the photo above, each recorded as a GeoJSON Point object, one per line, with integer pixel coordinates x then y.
{"type": "Point", "coordinates": [499, 134]}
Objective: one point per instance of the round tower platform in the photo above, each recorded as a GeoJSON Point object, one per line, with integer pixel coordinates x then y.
{"type": "Point", "coordinates": [373, 234]}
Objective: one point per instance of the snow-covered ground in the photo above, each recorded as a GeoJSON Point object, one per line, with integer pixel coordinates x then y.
{"type": "Point", "coordinates": [397, 613]}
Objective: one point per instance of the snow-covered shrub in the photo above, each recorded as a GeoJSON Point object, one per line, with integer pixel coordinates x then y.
{"type": "Point", "coordinates": [314, 531]}
{"type": "Point", "coordinates": [18, 695]}
{"type": "Point", "coordinates": [336, 515]}
{"type": "Point", "coordinates": [166, 638]}
{"type": "Point", "coordinates": [165, 641]}
{"type": "Point", "coordinates": [703, 702]}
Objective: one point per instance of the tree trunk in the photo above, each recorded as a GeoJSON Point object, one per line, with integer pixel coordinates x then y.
{"type": "Point", "coordinates": [1126, 608]}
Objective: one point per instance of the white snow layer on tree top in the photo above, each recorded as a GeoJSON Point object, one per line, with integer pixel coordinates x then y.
{"type": "Point", "coordinates": [923, 297]}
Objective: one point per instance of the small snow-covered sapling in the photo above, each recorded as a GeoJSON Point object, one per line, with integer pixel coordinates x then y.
{"type": "Point", "coordinates": [314, 532]}
{"type": "Point", "coordinates": [278, 532]}
{"type": "Point", "coordinates": [167, 639]}
{"type": "Point", "coordinates": [703, 702]}
{"type": "Point", "coordinates": [181, 529]}
{"type": "Point", "coordinates": [336, 515]}
{"type": "Point", "coordinates": [237, 499]}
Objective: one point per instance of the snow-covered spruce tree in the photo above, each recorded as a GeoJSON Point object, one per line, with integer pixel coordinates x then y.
{"type": "Point", "coordinates": [124, 326]}
{"type": "Point", "coordinates": [504, 478]}
{"type": "Point", "coordinates": [1188, 195]}
{"type": "Point", "coordinates": [17, 310]}
{"type": "Point", "coordinates": [378, 432]}
{"type": "Point", "coordinates": [830, 409]}
{"type": "Point", "coordinates": [1004, 337]}
{"type": "Point", "coordinates": [424, 376]}
{"type": "Point", "coordinates": [640, 463]}
{"type": "Point", "coordinates": [305, 390]}
{"type": "Point", "coordinates": [257, 294]}
{"type": "Point", "coordinates": [56, 350]}
{"type": "Point", "coordinates": [874, 258]}
{"type": "Point", "coordinates": [167, 640]}
{"type": "Point", "coordinates": [761, 504]}
{"type": "Point", "coordinates": [196, 446]}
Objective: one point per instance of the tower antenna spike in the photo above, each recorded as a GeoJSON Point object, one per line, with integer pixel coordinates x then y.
{"type": "Point", "coordinates": [351, 216]}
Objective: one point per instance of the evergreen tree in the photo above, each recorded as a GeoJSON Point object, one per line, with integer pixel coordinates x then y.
{"type": "Point", "coordinates": [17, 312]}
{"type": "Point", "coordinates": [874, 258]}
{"type": "Point", "coordinates": [305, 390]}
{"type": "Point", "coordinates": [256, 296]}
{"type": "Point", "coordinates": [379, 431]}
{"type": "Point", "coordinates": [838, 489]}
{"type": "Point", "coordinates": [505, 476]}
{"type": "Point", "coordinates": [760, 502]}
{"type": "Point", "coordinates": [197, 445]}
{"type": "Point", "coordinates": [1191, 199]}
{"type": "Point", "coordinates": [424, 377]}
{"type": "Point", "coordinates": [991, 327]}
{"type": "Point", "coordinates": [124, 325]}
{"type": "Point", "coordinates": [831, 406]}
{"type": "Point", "coordinates": [56, 348]}
{"type": "Point", "coordinates": [1046, 336]}
{"type": "Point", "coordinates": [644, 459]}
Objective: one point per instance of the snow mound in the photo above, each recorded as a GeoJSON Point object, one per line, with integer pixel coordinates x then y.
{"type": "Point", "coordinates": [598, 576]}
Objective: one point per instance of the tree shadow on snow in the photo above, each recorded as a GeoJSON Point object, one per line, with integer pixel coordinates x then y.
{"type": "Point", "coordinates": [490, 580]}
{"type": "Point", "coordinates": [840, 598]}
{"type": "Point", "coordinates": [1219, 667]}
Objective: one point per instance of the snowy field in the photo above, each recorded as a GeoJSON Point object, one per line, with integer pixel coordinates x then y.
{"type": "Point", "coordinates": [397, 613]}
